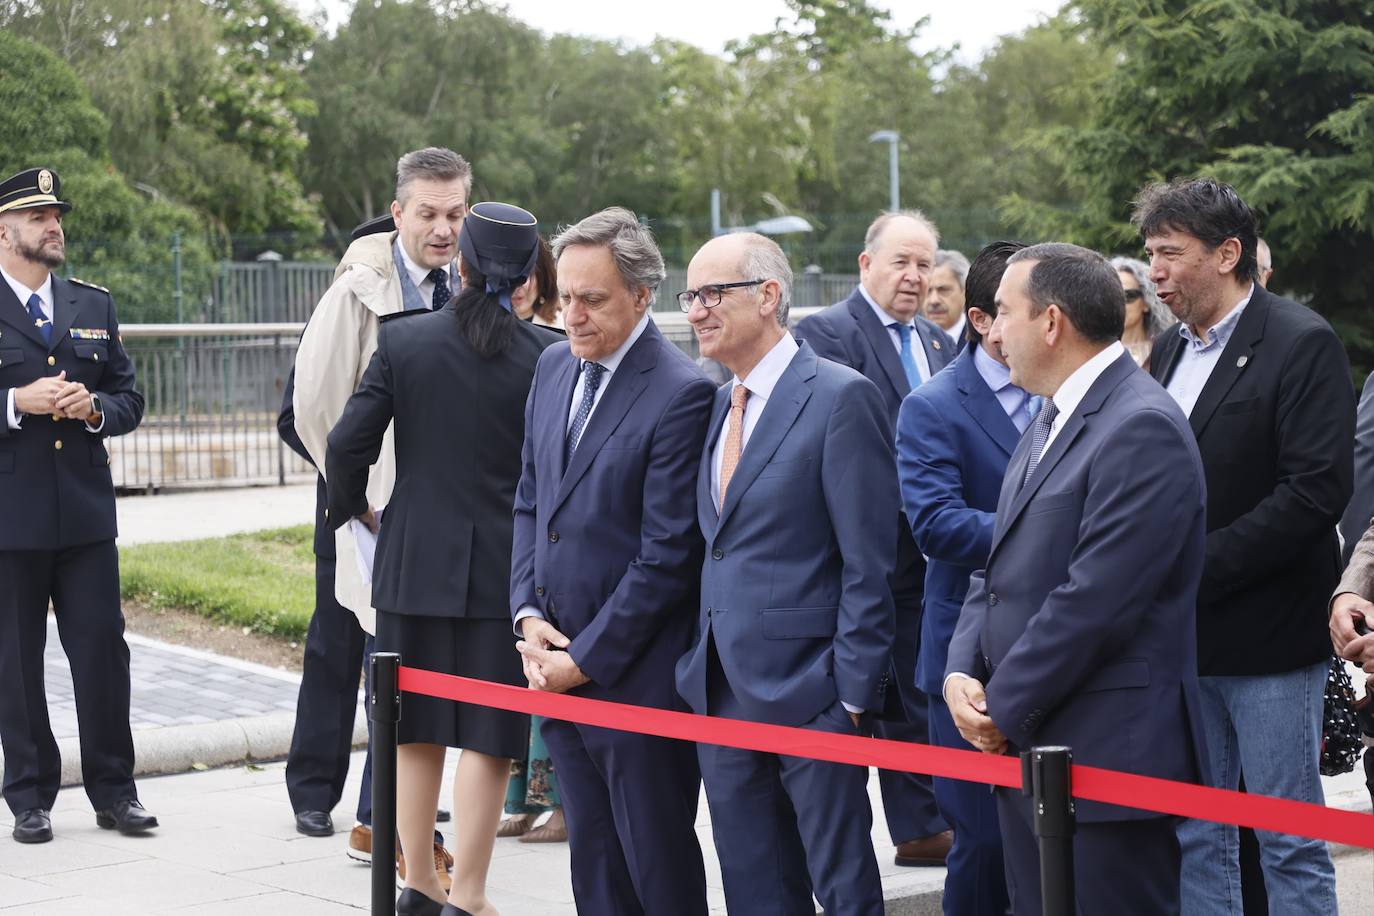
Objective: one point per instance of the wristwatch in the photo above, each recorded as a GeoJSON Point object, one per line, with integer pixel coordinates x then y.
{"type": "Point", "coordinates": [95, 404]}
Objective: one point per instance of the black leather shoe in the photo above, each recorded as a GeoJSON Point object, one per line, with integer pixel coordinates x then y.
{"type": "Point", "coordinates": [33, 826]}
{"type": "Point", "coordinates": [314, 823]}
{"type": "Point", "coordinates": [442, 817]}
{"type": "Point", "coordinates": [127, 816]}
{"type": "Point", "coordinates": [417, 903]}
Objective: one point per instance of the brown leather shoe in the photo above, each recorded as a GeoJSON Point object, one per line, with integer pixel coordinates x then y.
{"type": "Point", "coordinates": [517, 825]}
{"type": "Point", "coordinates": [927, 851]}
{"type": "Point", "coordinates": [554, 830]}
{"type": "Point", "coordinates": [443, 865]}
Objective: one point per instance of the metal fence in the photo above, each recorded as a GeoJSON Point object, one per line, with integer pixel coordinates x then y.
{"type": "Point", "coordinates": [213, 392]}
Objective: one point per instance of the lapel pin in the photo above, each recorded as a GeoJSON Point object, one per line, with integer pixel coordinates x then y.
{"type": "Point", "coordinates": [935, 344]}
{"type": "Point", "coordinates": [1240, 363]}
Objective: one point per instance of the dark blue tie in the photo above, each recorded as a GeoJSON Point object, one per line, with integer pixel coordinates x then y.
{"type": "Point", "coordinates": [439, 277]}
{"type": "Point", "coordinates": [40, 320]}
{"type": "Point", "coordinates": [908, 356]}
{"type": "Point", "coordinates": [591, 380]}
{"type": "Point", "coordinates": [1040, 434]}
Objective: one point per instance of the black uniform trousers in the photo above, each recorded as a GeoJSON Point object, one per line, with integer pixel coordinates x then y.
{"type": "Point", "coordinates": [83, 584]}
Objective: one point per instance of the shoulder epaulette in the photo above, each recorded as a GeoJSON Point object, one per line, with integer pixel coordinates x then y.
{"type": "Point", "coordinates": [404, 313]}
{"type": "Point", "coordinates": [91, 285]}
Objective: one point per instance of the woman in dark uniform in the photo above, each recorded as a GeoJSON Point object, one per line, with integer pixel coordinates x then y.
{"type": "Point", "coordinates": [454, 382]}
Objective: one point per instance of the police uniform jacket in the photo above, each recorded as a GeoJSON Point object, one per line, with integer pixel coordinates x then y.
{"type": "Point", "coordinates": [55, 483]}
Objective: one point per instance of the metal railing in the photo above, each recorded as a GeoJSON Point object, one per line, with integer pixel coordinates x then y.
{"type": "Point", "coordinates": [213, 392]}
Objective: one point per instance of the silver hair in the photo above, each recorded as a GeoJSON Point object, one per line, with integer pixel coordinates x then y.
{"type": "Point", "coordinates": [764, 260]}
{"type": "Point", "coordinates": [432, 162]}
{"type": "Point", "coordinates": [875, 228]}
{"type": "Point", "coordinates": [632, 246]}
{"type": "Point", "coordinates": [1158, 317]}
{"type": "Point", "coordinates": [956, 262]}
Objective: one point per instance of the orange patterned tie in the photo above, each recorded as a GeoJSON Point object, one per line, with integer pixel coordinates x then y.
{"type": "Point", "coordinates": [734, 438]}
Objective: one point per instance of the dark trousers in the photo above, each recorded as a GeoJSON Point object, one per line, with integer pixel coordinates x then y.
{"type": "Point", "coordinates": [335, 647]}
{"type": "Point", "coordinates": [975, 884]}
{"type": "Point", "coordinates": [631, 803]}
{"type": "Point", "coordinates": [1125, 868]}
{"type": "Point", "coordinates": [83, 584]}
{"type": "Point", "coordinates": [784, 826]}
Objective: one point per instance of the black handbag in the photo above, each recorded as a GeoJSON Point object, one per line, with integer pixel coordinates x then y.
{"type": "Point", "coordinates": [1341, 742]}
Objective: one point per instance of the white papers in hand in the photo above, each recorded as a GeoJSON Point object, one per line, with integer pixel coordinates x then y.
{"type": "Point", "coordinates": [364, 546]}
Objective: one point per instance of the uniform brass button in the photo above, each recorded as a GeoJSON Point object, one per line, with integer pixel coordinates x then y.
{"type": "Point", "coordinates": [57, 445]}
{"type": "Point", "coordinates": [55, 418]}
{"type": "Point", "coordinates": [52, 360]}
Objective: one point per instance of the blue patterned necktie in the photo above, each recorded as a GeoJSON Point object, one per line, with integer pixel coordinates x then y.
{"type": "Point", "coordinates": [1040, 434]}
{"type": "Point", "coordinates": [439, 277]}
{"type": "Point", "coordinates": [40, 320]}
{"type": "Point", "coordinates": [1029, 411]}
{"type": "Point", "coordinates": [591, 380]}
{"type": "Point", "coordinates": [913, 374]}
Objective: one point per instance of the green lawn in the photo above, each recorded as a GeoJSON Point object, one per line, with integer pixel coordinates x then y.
{"type": "Point", "coordinates": [264, 581]}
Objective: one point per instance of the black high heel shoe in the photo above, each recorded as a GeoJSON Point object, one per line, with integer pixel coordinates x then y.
{"type": "Point", "coordinates": [417, 903]}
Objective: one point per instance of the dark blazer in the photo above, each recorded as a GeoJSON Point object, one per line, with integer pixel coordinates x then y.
{"type": "Point", "coordinates": [609, 550]}
{"type": "Point", "coordinates": [1360, 510]}
{"type": "Point", "coordinates": [953, 444]}
{"type": "Point", "coordinates": [55, 481]}
{"type": "Point", "coordinates": [444, 547]}
{"type": "Point", "coordinates": [1275, 424]}
{"type": "Point", "coordinates": [794, 590]}
{"type": "Point", "coordinates": [1082, 623]}
{"type": "Point", "coordinates": [851, 334]}
{"type": "Point", "coordinates": [286, 428]}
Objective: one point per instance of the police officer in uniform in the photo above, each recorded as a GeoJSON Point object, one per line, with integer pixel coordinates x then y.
{"type": "Point", "coordinates": [65, 384]}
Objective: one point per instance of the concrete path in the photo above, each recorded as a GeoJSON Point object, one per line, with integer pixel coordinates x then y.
{"type": "Point", "coordinates": [213, 513]}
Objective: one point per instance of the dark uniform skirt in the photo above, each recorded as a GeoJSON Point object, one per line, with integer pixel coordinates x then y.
{"type": "Point", "coordinates": [465, 646]}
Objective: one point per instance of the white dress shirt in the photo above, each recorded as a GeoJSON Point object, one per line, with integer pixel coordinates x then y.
{"type": "Point", "coordinates": [1074, 388]}
{"type": "Point", "coordinates": [957, 332]}
{"type": "Point", "coordinates": [918, 347]}
{"type": "Point", "coordinates": [420, 277]}
{"type": "Point", "coordinates": [763, 378]}
{"type": "Point", "coordinates": [22, 293]}
{"type": "Point", "coordinates": [1200, 356]}
{"type": "Point", "coordinates": [609, 364]}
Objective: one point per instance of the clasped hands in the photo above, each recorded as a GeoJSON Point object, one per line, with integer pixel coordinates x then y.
{"type": "Point", "coordinates": [1348, 610]}
{"type": "Point", "coordinates": [547, 668]}
{"type": "Point", "coordinates": [55, 395]}
{"type": "Point", "coordinates": [968, 705]}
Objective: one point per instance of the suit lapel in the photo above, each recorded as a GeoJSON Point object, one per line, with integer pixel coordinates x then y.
{"type": "Point", "coordinates": [881, 342]}
{"type": "Point", "coordinates": [553, 415]}
{"type": "Point", "coordinates": [621, 393]}
{"type": "Point", "coordinates": [706, 506]}
{"type": "Point", "coordinates": [982, 405]}
{"type": "Point", "coordinates": [15, 314]}
{"type": "Point", "coordinates": [64, 309]}
{"type": "Point", "coordinates": [938, 356]}
{"type": "Point", "coordinates": [789, 396]}
{"type": "Point", "coordinates": [1169, 353]}
{"type": "Point", "coordinates": [1237, 356]}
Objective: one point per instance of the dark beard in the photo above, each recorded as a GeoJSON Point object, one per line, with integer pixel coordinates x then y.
{"type": "Point", "coordinates": [38, 254]}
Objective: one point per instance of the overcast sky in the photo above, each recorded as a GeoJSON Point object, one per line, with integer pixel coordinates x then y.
{"type": "Point", "coordinates": [974, 24]}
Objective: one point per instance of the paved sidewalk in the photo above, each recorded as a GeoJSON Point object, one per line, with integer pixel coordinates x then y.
{"type": "Point", "coordinates": [213, 513]}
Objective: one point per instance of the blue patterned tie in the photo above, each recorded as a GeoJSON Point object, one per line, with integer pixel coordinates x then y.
{"type": "Point", "coordinates": [1040, 434]}
{"type": "Point", "coordinates": [439, 277]}
{"type": "Point", "coordinates": [40, 320]}
{"type": "Point", "coordinates": [913, 374]}
{"type": "Point", "coordinates": [591, 380]}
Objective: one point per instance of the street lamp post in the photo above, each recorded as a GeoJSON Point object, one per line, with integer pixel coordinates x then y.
{"type": "Point", "coordinates": [890, 137]}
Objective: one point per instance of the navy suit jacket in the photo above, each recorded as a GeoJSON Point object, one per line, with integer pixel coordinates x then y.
{"type": "Point", "coordinates": [953, 444]}
{"type": "Point", "coordinates": [55, 481]}
{"type": "Point", "coordinates": [794, 590]}
{"type": "Point", "coordinates": [609, 550]}
{"type": "Point", "coordinates": [850, 333]}
{"type": "Point", "coordinates": [1082, 623]}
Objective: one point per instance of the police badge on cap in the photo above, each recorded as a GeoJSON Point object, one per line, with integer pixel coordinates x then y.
{"type": "Point", "coordinates": [32, 188]}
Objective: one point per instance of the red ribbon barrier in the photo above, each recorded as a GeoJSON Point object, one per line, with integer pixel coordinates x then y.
{"type": "Point", "coordinates": [1147, 793]}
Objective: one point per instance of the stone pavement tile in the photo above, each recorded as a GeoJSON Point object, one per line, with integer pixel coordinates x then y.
{"type": "Point", "coordinates": [152, 885]}
{"type": "Point", "coordinates": [227, 850]}
{"type": "Point", "coordinates": [75, 906]}
{"type": "Point", "coordinates": [283, 903]}
{"type": "Point", "coordinates": [16, 891]}
{"type": "Point", "coordinates": [539, 874]}
{"type": "Point", "coordinates": [337, 880]}
{"type": "Point", "coordinates": [20, 860]}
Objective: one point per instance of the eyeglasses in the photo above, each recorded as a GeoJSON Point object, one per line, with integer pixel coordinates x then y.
{"type": "Point", "coordinates": [711, 294]}
{"type": "Point", "coordinates": [1133, 294]}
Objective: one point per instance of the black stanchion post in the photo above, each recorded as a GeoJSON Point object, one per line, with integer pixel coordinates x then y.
{"type": "Point", "coordinates": [1045, 777]}
{"type": "Point", "coordinates": [384, 706]}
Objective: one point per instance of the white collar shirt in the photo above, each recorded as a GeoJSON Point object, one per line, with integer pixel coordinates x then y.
{"type": "Point", "coordinates": [1200, 356]}
{"type": "Point", "coordinates": [763, 378]}
{"type": "Point", "coordinates": [420, 276]}
{"type": "Point", "coordinates": [918, 347]}
{"type": "Point", "coordinates": [1075, 388]}
{"type": "Point", "coordinates": [22, 293]}
{"type": "Point", "coordinates": [609, 363]}
{"type": "Point", "coordinates": [957, 332]}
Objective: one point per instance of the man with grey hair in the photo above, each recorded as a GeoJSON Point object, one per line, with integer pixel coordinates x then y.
{"type": "Point", "coordinates": [795, 621]}
{"type": "Point", "coordinates": [604, 566]}
{"type": "Point", "coordinates": [381, 273]}
{"type": "Point", "coordinates": [879, 332]}
{"type": "Point", "coordinates": [945, 300]}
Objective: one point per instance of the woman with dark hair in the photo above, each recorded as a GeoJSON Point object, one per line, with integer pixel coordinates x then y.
{"type": "Point", "coordinates": [537, 299]}
{"type": "Point", "coordinates": [451, 387]}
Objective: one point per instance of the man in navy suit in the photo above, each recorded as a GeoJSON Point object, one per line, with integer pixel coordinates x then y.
{"type": "Point", "coordinates": [955, 435]}
{"type": "Point", "coordinates": [606, 556]}
{"type": "Point", "coordinates": [796, 620]}
{"type": "Point", "coordinates": [1080, 628]}
{"type": "Point", "coordinates": [878, 332]}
